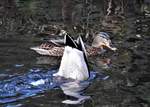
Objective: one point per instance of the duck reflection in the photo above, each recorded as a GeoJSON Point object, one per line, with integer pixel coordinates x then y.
{"type": "Point", "coordinates": [41, 60]}
{"type": "Point", "coordinates": [75, 89]}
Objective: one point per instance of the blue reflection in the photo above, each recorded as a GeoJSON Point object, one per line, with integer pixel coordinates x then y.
{"type": "Point", "coordinates": [38, 81]}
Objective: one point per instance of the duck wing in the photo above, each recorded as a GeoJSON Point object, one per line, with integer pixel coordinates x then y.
{"type": "Point", "coordinates": [59, 42]}
{"type": "Point", "coordinates": [49, 49]}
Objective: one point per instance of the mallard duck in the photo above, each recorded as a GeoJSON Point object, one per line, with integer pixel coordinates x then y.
{"type": "Point", "coordinates": [56, 47]}
{"type": "Point", "coordinates": [103, 40]}
{"type": "Point", "coordinates": [74, 60]}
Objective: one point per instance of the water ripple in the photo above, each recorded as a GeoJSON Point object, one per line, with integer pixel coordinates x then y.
{"type": "Point", "coordinates": [38, 81]}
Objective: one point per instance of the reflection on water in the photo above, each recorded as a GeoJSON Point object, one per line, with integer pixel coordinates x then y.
{"type": "Point", "coordinates": [20, 87]}
{"type": "Point", "coordinates": [47, 60]}
{"type": "Point", "coordinates": [38, 81]}
{"type": "Point", "coordinates": [74, 89]}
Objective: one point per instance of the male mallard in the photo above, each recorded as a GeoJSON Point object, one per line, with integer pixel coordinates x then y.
{"type": "Point", "coordinates": [74, 61]}
{"type": "Point", "coordinates": [56, 47]}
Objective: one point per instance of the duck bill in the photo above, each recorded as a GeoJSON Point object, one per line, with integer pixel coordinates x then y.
{"type": "Point", "coordinates": [109, 47]}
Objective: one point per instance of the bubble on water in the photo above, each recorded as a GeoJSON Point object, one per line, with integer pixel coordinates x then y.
{"type": "Point", "coordinates": [18, 65]}
{"type": "Point", "coordinates": [105, 78]}
{"type": "Point", "coordinates": [34, 70]}
{"type": "Point", "coordinates": [138, 35]}
{"type": "Point", "coordinates": [17, 105]}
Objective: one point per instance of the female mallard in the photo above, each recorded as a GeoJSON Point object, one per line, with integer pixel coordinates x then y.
{"type": "Point", "coordinates": [56, 47]}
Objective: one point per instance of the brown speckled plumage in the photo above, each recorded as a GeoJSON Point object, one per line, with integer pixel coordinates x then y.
{"type": "Point", "coordinates": [55, 50]}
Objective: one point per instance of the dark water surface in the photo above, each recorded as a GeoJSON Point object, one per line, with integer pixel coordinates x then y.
{"type": "Point", "coordinates": [128, 84]}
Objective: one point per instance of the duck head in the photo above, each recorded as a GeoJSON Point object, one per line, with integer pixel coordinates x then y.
{"type": "Point", "coordinates": [102, 40]}
{"type": "Point", "coordinates": [74, 61]}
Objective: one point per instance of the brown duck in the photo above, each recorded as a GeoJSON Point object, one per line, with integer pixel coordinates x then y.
{"type": "Point", "coordinates": [56, 47]}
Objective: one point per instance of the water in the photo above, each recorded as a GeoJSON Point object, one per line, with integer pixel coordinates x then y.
{"type": "Point", "coordinates": [128, 70]}
{"type": "Point", "coordinates": [37, 81]}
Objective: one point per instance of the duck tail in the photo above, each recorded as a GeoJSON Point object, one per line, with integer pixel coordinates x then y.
{"type": "Point", "coordinates": [81, 47]}
{"type": "Point", "coordinates": [68, 41]}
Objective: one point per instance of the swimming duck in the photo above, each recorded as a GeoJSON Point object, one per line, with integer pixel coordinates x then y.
{"type": "Point", "coordinates": [74, 60]}
{"type": "Point", "coordinates": [103, 40]}
{"type": "Point", "coordinates": [56, 47]}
